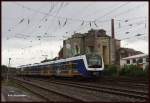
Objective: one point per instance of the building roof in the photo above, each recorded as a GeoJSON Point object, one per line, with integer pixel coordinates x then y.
{"type": "Point", "coordinates": [129, 50]}
{"type": "Point", "coordinates": [91, 32]}
{"type": "Point", "coordinates": [136, 56]}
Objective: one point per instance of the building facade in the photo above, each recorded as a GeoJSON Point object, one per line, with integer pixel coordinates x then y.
{"type": "Point", "coordinates": [140, 60]}
{"type": "Point", "coordinates": [95, 41]}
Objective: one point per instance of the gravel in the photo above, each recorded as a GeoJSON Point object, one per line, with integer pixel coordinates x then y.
{"type": "Point", "coordinates": [84, 94]}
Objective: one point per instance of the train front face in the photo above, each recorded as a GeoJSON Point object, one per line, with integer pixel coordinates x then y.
{"type": "Point", "coordinates": [95, 64]}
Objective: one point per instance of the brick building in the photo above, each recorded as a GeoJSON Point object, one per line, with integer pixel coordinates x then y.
{"type": "Point", "coordinates": [95, 41]}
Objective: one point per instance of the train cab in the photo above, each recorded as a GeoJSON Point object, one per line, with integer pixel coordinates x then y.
{"type": "Point", "coordinates": [95, 64]}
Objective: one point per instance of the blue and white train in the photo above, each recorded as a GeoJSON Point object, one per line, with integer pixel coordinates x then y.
{"type": "Point", "coordinates": [89, 65]}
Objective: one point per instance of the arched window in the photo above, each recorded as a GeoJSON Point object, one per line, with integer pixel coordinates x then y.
{"type": "Point", "coordinates": [77, 50]}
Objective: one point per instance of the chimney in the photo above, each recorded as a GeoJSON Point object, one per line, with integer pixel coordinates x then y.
{"type": "Point", "coordinates": [112, 28]}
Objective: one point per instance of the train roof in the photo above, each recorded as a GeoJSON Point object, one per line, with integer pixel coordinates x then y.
{"type": "Point", "coordinates": [51, 62]}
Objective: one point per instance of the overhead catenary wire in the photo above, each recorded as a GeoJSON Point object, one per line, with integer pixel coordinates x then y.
{"type": "Point", "coordinates": [57, 17]}
{"type": "Point", "coordinates": [29, 20]}
{"type": "Point", "coordinates": [134, 34]}
{"type": "Point", "coordinates": [90, 23]}
{"type": "Point", "coordinates": [61, 6]}
{"type": "Point", "coordinates": [137, 35]}
{"type": "Point", "coordinates": [135, 29]}
{"type": "Point", "coordinates": [129, 10]}
{"type": "Point", "coordinates": [56, 12]}
{"type": "Point", "coordinates": [67, 19]}
{"type": "Point", "coordinates": [117, 8]}
{"type": "Point", "coordinates": [129, 26]}
{"type": "Point", "coordinates": [36, 11]}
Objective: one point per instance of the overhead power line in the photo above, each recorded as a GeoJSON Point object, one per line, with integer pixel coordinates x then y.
{"type": "Point", "coordinates": [129, 10]}
{"type": "Point", "coordinates": [115, 9]}
{"type": "Point", "coordinates": [137, 35]}
{"type": "Point", "coordinates": [47, 14]}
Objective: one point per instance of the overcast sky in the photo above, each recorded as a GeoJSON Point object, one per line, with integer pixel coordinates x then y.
{"type": "Point", "coordinates": [31, 30]}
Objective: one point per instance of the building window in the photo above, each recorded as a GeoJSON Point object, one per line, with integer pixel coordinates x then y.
{"type": "Point", "coordinates": [134, 60]}
{"type": "Point", "coordinates": [77, 50]}
{"type": "Point", "coordinates": [140, 60]}
{"type": "Point", "coordinates": [128, 61]}
{"type": "Point", "coordinates": [147, 59]}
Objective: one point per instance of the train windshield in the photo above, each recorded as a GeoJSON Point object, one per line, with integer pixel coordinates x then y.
{"type": "Point", "coordinates": [94, 61]}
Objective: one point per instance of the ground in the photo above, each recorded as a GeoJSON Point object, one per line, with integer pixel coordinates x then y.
{"type": "Point", "coordinates": [10, 92]}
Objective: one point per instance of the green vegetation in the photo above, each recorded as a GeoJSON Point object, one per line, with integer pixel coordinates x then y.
{"type": "Point", "coordinates": [127, 70]}
{"type": "Point", "coordinates": [133, 71]}
{"type": "Point", "coordinates": [110, 70]}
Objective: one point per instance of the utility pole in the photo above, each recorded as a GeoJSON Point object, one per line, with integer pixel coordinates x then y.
{"type": "Point", "coordinates": [8, 68]}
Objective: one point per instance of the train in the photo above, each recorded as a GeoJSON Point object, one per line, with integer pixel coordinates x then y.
{"type": "Point", "coordinates": [88, 66]}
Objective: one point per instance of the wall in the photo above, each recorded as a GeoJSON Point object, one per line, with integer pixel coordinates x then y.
{"type": "Point", "coordinates": [143, 64]}
{"type": "Point", "coordinates": [102, 48]}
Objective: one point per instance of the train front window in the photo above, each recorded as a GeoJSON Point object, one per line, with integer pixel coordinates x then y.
{"type": "Point", "coordinates": [94, 61]}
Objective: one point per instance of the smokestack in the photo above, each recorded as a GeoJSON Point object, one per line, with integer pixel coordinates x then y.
{"type": "Point", "coordinates": [112, 28]}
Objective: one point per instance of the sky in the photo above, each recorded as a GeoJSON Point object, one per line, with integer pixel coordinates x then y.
{"type": "Point", "coordinates": [32, 31]}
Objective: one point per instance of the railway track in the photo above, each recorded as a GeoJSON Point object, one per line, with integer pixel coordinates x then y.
{"type": "Point", "coordinates": [46, 93]}
{"type": "Point", "coordinates": [107, 89]}
{"type": "Point", "coordinates": [126, 80]}
{"type": "Point", "coordinates": [119, 82]}
{"type": "Point", "coordinates": [126, 84]}
{"type": "Point", "coordinates": [96, 85]}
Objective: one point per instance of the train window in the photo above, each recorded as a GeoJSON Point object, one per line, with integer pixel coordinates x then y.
{"type": "Point", "coordinates": [128, 61]}
{"type": "Point", "coordinates": [45, 67]}
{"type": "Point", "coordinates": [54, 66]}
{"type": "Point", "coordinates": [49, 66]}
{"type": "Point", "coordinates": [63, 66]}
{"type": "Point", "coordinates": [74, 66]}
{"type": "Point", "coordinates": [68, 65]}
{"type": "Point", "coordinates": [58, 65]}
{"type": "Point", "coordinates": [94, 60]}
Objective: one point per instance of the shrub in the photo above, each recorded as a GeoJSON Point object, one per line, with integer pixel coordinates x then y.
{"type": "Point", "coordinates": [146, 70]}
{"type": "Point", "coordinates": [110, 70]}
{"type": "Point", "coordinates": [133, 71]}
